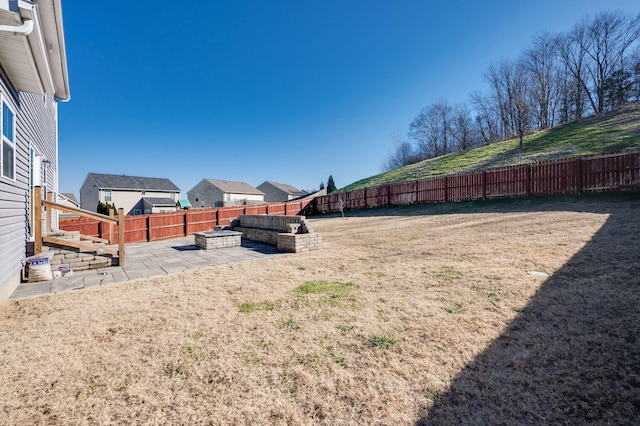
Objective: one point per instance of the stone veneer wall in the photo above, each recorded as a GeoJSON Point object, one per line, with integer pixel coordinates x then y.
{"type": "Point", "coordinates": [291, 234]}
{"type": "Point", "coordinates": [76, 259]}
{"type": "Point", "coordinates": [297, 243]}
{"type": "Point", "coordinates": [230, 239]}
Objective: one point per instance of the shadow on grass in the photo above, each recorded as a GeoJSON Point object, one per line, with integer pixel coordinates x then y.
{"type": "Point", "coordinates": [572, 356]}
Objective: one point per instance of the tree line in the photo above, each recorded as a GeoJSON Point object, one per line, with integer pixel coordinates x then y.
{"type": "Point", "coordinates": [590, 69]}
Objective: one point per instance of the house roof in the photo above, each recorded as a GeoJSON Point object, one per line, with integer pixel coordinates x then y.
{"type": "Point", "coordinates": [231, 187]}
{"type": "Point", "coordinates": [285, 188]}
{"type": "Point", "coordinates": [136, 183]}
{"type": "Point", "coordinates": [184, 203]}
{"type": "Point", "coordinates": [32, 49]}
{"type": "Point", "coordinates": [159, 202]}
{"type": "Point", "coordinates": [69, 196]}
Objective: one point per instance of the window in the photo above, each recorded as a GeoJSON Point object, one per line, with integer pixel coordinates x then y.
{"type": "Point", "coordinates": [107, 195]}
{"type": "Point", "coordinates": [172, 195]}
{"type": "Point", "coordinates": [136, 212]}
{"type": "Point", "coordinates": [197, 197]}
{"type": "Point", "coordinates": [8, 156]}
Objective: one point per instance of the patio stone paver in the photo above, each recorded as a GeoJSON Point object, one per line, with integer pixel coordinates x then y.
{"type": "Point", "coordinates": [148, 260]}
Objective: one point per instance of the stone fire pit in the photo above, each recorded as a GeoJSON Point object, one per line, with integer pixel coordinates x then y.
{"type": "Point", "coordinates": [217, 239]}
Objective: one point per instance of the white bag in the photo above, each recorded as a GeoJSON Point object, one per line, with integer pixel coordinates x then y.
{"type": "Point", "coordinates": [40, 267]}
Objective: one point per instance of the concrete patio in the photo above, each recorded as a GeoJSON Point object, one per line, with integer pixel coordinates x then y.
{"type": "Point", "coordinates": [147, 260]}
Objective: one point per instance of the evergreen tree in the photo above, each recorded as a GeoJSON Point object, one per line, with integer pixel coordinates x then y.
{"type": "Point", "coordinates": [331, 186]}
{"type": "Point", "coordinates": [103, 208]}
{"type": "Point", "coordinates": [321, 185]}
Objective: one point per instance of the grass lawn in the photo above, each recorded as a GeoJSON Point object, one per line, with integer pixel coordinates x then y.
{"type": "Point", "coordinates": [505, 312]}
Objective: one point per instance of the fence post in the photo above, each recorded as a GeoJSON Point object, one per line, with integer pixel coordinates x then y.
{"type": "Point", "coordinates": [528, 180]}
{"type": "Point", "coordinates": [112, 213]}
{"type": "Point", "coordinates": [121, 236]}
{"type": "Point", "coordinates": [148, 227]}
{"type": "Point", "coordinates": [37, 219]}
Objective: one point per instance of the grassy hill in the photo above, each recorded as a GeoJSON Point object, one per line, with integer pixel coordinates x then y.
{"type": "Point", "coordinates": [612, 131]}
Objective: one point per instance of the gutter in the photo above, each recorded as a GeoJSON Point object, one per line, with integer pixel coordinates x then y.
{"type": "Point", "coordinates": [43, 51]}
{"type": "Point", "coordinates": [25, 29]}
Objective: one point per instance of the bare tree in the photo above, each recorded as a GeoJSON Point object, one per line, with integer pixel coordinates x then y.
{"type": "Point", "coordinates": [634, 67]}
{"type": "Point", "coordinates": [401, 155]}
{"type": "Point", "coordinates": [521, 102]}
{"type": "Point", "coordinates": [559, 78]}
{"type": "Point", "coordinates": [510, 95]}
{"type": "Point", "coordinates": [431, 130]}
{"type": "Point", "coordinates": [573, 62]}
{"type": "Point", "coordinates": [541, 63]}
{"type": "Point", "coordinates": [607, 38]}
{"type": "Point", "coordinates": [487, 118]}
{"type": "Point", "coordinates": [463, 128]}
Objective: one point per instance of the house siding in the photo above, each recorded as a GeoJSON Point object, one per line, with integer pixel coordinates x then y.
{"type": "Point", "coordinates": [35, 127]}
{"type": "Point", "coordinates": [89, 195]}
{"type": "Point", "coordinates": [210, 195]}
{"type": "Point", "coordinates": [273, 194]}
{"type": "Point", "coordinates": [207, 194]}
{"type": "Point", "coordinates": [132, 200]}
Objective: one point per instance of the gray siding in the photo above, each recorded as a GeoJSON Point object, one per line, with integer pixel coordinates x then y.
{"type": "Point", "coordinates": [273, 194]}
{"type": "Point", "coordinates": [89, 195]}
{"type": "Point", "coordinates": [208, 195]}
{"type": "Point", "coordinates": [36, 126]}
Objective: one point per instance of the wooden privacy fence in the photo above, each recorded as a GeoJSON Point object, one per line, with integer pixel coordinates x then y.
{"type": "Point", "coordinates": [159, 226]}
{"type": "Point", "coordinates": [606, 172]}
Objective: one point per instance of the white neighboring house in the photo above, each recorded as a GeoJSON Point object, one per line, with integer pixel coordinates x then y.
{"type": "Point", "coordinates": [68, 199]}
{"type": "Point", "coordinates": [222, 193]}
{"type": "Point", "coordinates": [129, 193]}
{"type": "Point", "coordinates": [33, 79]}
{"type": "Point", "coordinates": [274, 192]}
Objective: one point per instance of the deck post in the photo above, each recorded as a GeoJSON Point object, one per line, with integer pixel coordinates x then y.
{"type": "Point", "coordinates": [112, 213]}
{"type": "Point", "coordinates": [47, 225]}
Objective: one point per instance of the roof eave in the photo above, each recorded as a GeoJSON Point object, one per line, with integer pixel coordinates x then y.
{"type": "Point", "coordinates": [36, 62]}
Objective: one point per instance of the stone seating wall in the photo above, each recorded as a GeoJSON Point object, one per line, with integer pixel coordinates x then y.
{"type": "Point", "coordinates": [291, 234]}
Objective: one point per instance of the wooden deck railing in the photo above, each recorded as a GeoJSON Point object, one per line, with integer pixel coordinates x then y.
{"type": "Point", "coordinates": [41, 235]}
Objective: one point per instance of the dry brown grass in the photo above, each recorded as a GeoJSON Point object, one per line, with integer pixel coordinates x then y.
{"type": "Point", "coordinates": [415, 315]}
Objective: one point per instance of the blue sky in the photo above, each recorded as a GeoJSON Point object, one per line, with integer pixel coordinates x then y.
{"type": "Point", "coordinates": [286, 91]}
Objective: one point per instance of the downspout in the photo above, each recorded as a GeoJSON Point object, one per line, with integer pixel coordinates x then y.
{"type": "Point", "coordinates": [25, 29]}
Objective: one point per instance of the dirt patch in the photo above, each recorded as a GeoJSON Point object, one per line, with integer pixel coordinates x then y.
{"type": "Point", "coordinates": [423, 314]}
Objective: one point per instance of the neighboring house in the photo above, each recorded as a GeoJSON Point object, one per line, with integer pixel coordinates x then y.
{"type": "Point", "coordinates": [128, 193]}
{"type": "Point", "coordinates": [159, 205]}
{"type": "Point", "coordinates": [68, 199]}
{"type": "Point", "coordinates": [219, 193]}
{"type": "Point", "coordinates": [33, 79]}
{"type": "Point", "coordinates": [274, 192]}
